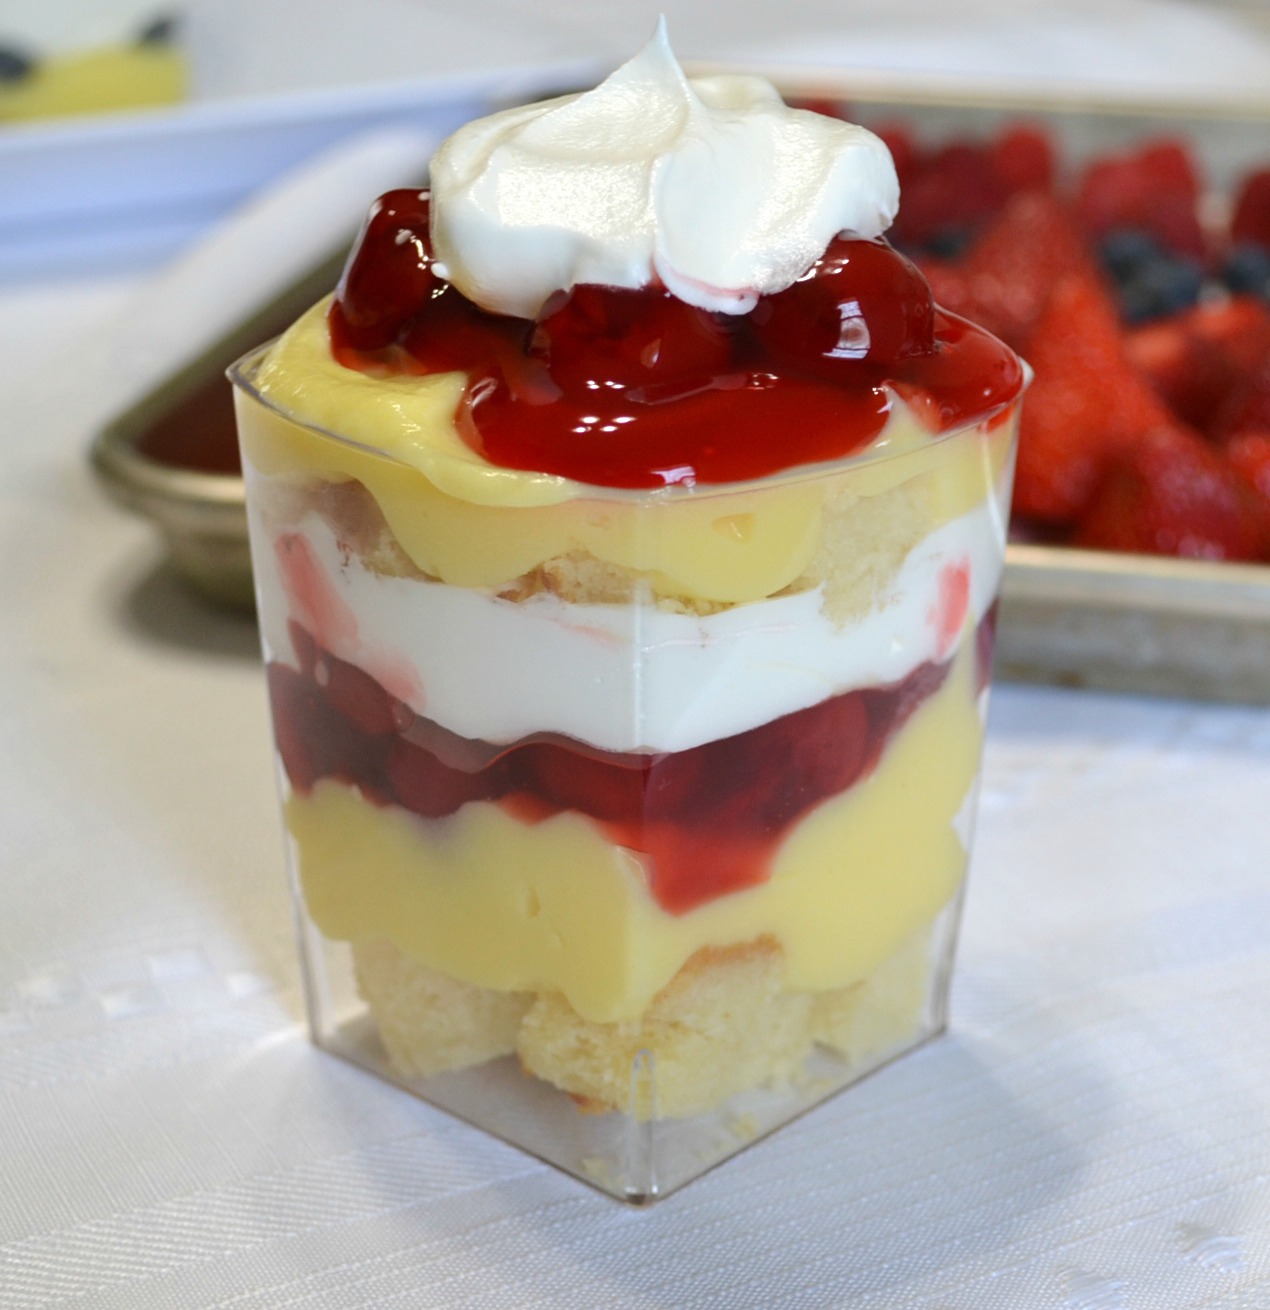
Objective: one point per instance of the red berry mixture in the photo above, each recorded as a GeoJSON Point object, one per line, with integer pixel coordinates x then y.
{"type": "Point", "coordinates": [634, 388]}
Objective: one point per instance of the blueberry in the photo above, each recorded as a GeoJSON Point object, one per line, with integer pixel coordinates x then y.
{"type": "Point", "coordinates": [950, 242]}
{"type": "Point", "coordinates": [1248, 269]}
{"type": "Point", "coordinates": [14, 65]}
{"type": "Point", "coordinates": [1127, 250]}
{"type": "Point", "coordinates": [1150, 281]}
{"type": "Point", "coordinates": [1165, 286]}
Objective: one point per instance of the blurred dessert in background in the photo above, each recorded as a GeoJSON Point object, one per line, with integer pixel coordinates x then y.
{"type": "Point", "coordinates": [67, 57]}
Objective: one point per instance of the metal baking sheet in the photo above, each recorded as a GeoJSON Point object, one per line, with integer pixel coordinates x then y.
{"type": "Point", "coordinates": [1180, 627]}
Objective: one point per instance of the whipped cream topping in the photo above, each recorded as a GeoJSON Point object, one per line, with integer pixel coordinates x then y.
{"type": "Point", "coordinates": [712, 186]}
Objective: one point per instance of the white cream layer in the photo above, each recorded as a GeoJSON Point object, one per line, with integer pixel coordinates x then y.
{"type": "Point", "coordinates": [631, 677]}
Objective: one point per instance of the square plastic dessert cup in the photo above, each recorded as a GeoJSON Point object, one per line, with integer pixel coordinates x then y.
{"type": "Point", "coordinates": [626, 825]}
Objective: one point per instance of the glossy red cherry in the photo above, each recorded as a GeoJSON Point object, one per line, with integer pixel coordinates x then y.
{"type": "Point", "coordinates": [600, 337]}
{"type": "Point", "coordinates": [389, 276]}
{"type": "Point", "coordinates": [861, 302]}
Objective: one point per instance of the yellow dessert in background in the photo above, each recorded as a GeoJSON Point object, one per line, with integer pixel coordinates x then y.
{"type": "Point", "coordinates": [139, 66]}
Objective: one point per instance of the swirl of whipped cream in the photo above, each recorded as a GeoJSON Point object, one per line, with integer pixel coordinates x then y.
{"type": "Point", "coordinates": [714, 186]}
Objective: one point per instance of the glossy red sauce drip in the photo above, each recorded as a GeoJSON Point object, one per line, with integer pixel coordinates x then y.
{"type": "Point", "coordinates": [626, 388]}
{"type": "Point", "coordinates": [709, 818]}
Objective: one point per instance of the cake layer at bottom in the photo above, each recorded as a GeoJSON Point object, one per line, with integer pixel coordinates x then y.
{"type": "Point", "coordinates": [726, 1023]}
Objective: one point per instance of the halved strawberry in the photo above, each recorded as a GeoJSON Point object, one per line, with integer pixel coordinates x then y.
{"type": "Point", "coordinates": [1087, 403]}
{"type": "Point", "coordinates": [1173, 494]}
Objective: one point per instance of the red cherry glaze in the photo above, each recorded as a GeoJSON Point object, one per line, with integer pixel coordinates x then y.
{"type": "Point", "coordinates": [643, 340]}
{"type": "Point", "coordinates": [389, 275]}
{"type": "Point", "coordinates": [623, 388]}
{"type": "Point", "coordinates": [709, 818]}
{"type": "Point", "coordinates": [741, 426]}
{"type": "Point", "coordinates": [860, 303]}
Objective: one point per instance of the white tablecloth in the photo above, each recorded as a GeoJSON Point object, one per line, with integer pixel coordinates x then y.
{"type": "Point", "coordinates": [1093, 1134]}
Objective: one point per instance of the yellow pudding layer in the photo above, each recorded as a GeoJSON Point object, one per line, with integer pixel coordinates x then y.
{"type": "Point", "coordinates": [555, 907]}
{"type": "Point", "coordinates": [467, 522]}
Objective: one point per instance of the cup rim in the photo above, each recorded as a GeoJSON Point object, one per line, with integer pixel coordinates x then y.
{"type": "Point", "coordinates": [240, 374]}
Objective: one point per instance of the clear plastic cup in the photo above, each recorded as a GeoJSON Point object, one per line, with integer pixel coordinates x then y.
{"type": "Point", "coordinates": [629, 826]}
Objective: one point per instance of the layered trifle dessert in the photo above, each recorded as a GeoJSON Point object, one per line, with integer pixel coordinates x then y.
{"type": "Point", "coordinates": [627, 532]}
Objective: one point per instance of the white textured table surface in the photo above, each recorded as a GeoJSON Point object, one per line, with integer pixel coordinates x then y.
{"type": "Point", "coordinates": [1093, 1134]}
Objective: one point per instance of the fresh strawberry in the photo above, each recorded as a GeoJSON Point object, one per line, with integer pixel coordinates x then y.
{"type": "Point", "coordinates": [1154, 189]}
{"type": "Point", "coordinates": [1173, 494]}
{"type": "Point", "coordinates": [1249, 454]}
{"type": "Point", "coordinates": [1198, 359]}
{"type": "Point", "coordinates": [1186, 373]}
{"type": "Point", "coordinates": [1087, 403]}
{"type": "Point", "coordinates": [1247, 409]}
{"type": "Point", "coordinates": [1251, 220]}
{"type": "Point", "coordinates": [1012, 268]}
{"type": "Point", "coordinates": [1169, 166]}
{"type": "Point", "coordinates": [957, 187]}
{"type": "Point", "coordinates": [1023, 157]}
{"type": "Point", "coordinates": [1238, 327]}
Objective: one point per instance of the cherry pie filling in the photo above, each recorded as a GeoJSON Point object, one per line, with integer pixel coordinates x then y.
{"type": "Point", "coordinates": [635, 388]}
